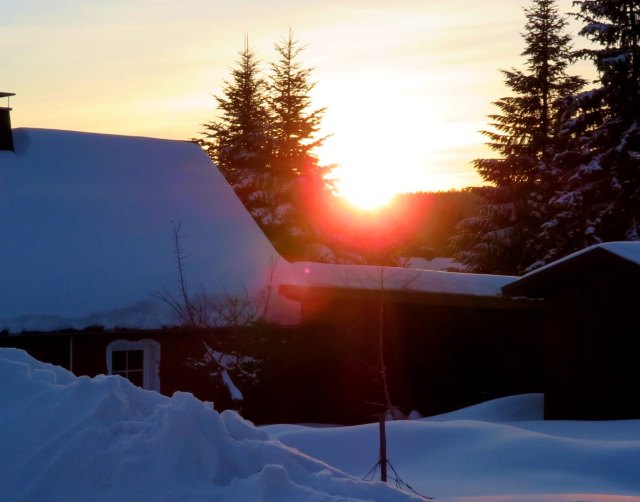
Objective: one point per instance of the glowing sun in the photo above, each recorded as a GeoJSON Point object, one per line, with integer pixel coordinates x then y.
{"type": "Point", "coordinates": [365, 178]}
{"type": "Point", "coordinates": [375, 159]}
{"type": "Point", "coordinates": [365, 191]}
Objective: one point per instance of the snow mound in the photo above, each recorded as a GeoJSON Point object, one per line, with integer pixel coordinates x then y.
{"type": "Point", "coordinates": [524, 407]}
{"type": "Point", "coordinates": [102, 438]}
{"type": "Point", "coordinates": [497, 450]}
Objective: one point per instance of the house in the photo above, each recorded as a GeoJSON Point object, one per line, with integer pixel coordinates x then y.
{"type": "Point", "coordinates": [106, 238]}
{"type": "Point", "coordinates": [591, 331]}
{"type": "Point", "coordinates": [92, 227]}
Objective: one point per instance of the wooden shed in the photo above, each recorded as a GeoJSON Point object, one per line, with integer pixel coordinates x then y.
{"type": "Point", "coordinates": [450, 339]}
{"type": "Point", "coordinates": [591, 331]}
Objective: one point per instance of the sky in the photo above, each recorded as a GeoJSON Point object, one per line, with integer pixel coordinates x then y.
{"type": "Point", "coordinates": [407, 84]}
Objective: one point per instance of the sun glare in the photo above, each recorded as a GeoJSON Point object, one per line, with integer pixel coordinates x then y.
{"type": "Point", "coordinates": [365, 192]}
{"type": "Point", "coordinates": [367, 178]}
{"type": "Point", "coordinates": [379, 147]}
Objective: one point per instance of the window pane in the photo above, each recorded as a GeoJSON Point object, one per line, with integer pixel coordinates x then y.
{"type": "Point", "coordinates": [136, 378]}
{"type": "Point", "coordinates": [135, 359]}
{"type": "Point", "coordinates": [118, 360]}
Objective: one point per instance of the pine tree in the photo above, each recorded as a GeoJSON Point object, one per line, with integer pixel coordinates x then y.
{"type": "Point", "coordinates": [295, 125]}
{"type": "Point", "coordinates": [263, 143]}
{"type": "Point", "coordinates": [524, 135]}
{"type": "Point", "coordinates": [240, 142]}
{"type": "Point", "coordinates": [299, 180]}
{"type": "Point", "coordinates": [599, 169]}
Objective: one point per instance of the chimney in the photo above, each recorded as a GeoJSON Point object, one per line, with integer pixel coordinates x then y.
{"type": "Point", "coordinates": [6, 136]}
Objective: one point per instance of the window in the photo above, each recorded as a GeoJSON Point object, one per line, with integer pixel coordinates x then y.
{"type": "Point", "coordinates": [129, 364]}
{"type": "Point", "coordinates": [138, 361]}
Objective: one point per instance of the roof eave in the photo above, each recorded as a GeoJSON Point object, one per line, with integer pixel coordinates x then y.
{"type": "Point", "coordinates": [536, 283]}
{"type": "Point", "coordinates": [305, 293]}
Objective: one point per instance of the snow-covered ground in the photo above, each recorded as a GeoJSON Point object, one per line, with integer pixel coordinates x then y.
{"type": "Point", "coordinates": [65, 438]}
{"type": "Point", "coordinates": [498, 448]}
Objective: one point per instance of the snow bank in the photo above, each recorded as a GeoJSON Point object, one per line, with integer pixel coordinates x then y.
{"type": "Point", "coordinates": [86, 224]}
{"type": "Point", "coordinates": [496, 449]}
{"type": "Point", "coordinates": [102, 439]}
{"type": "Point", "coordinates": [66, 438]}
{"type": "Point", "coordinates": [519, 408]}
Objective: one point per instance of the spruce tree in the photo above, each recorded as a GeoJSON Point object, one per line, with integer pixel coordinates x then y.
{"type": "Point", "coordinates": [264, 141]}
{"type": "Point", "coordinates": [599, 170]}
{"type": "Point", "coordinates": [299, 180]}
{"type": "Point", "coordinates": [523, 134]}
{"type": "Point", "coordinates": [295, 124]}
{"type": "Point", "coordinates": [239, 142]}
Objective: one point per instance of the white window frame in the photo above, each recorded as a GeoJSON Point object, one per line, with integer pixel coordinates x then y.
{"type": "Point", "coordinates": [151, 359]}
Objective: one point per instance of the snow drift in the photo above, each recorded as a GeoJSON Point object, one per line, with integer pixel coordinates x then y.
{"type": "Point", "coordinates": [68, 438]}
{"type": "Point", "coordinates": [102, 439]}
{"type": "Point", "coordinates": [494, 449]}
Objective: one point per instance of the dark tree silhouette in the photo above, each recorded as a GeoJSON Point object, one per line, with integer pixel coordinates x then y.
{"type": "Point", "coordinates": [598, 198]}
{"type": "Point", "coordinates": [299, 181]}
{"type": "Point", "coordinates": [239, 141]}
{"type": "Point", "coordinates": [524, 134]}
{"type": "Point", "coordinates": [264, 141]}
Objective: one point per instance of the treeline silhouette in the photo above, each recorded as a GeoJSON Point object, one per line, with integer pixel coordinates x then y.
{"type": "Point", "coordinates": [412, 225]}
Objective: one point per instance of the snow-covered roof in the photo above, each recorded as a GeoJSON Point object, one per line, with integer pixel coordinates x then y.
{"type": "Point", "coordinates": [320, 275]}
{"type": "Point", "coordinates": [86, 231]}
{"type": "Point", "coordinates": [439, 263]}
{"type": "Point", "coordinates": [627, 251]}
{"type": "Point", "coordinates": [317, 276]}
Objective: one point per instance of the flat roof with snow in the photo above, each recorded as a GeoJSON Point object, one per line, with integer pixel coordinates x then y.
{"type": "Point", "coordinates": [404, 284]}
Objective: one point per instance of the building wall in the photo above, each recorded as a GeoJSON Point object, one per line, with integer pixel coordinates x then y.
{"type": "Point", "coordinates": [50, 348]}
{"type": "Point", "coordinates": [85, 353]}
{"type": "Point", "coordinates": [593, 344]}
{"type": "Point", "coordinates": [453, 356]}
{"type": "Point", "coordinates": [438, 357]}
{"type": "Point", "coordinates": [304, 374]}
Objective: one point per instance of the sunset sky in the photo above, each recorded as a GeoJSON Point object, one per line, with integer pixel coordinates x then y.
{"type": "Point", "coordinates": [407, 86]}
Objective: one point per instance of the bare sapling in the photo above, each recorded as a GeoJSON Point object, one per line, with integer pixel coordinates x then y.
{"type": "Point", "coordinates": [203, 311]}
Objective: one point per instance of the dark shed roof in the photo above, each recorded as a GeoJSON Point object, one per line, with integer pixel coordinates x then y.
{"type": "Point", "coordinates": [623, 256]}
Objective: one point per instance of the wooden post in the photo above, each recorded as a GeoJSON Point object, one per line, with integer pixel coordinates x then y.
{"type": "Point", "coordinates": [383, 449]}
